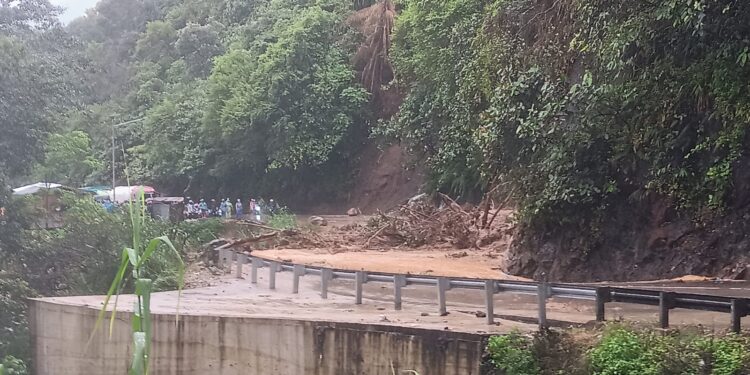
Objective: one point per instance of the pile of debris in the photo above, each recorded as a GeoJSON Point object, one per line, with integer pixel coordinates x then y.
{"type": "Point", "coordinates": [263, 237]}
{"type": "Point", "coordinates": [421, 221]}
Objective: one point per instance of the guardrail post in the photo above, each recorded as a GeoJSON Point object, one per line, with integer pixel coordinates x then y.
{"type": "Point", "coordinates": [273, 266]}
{"type": "Point", "coordinates": [489, 298]}
{"type": "Point", "coordinates": [254, 270]}
{"type": "Point", "coordinates": [223, 259]}
{"type": "Point", "coordinates": [739, 309]}
{"type": "Point", "coordinates": [220, 258]}
{"type": "Point", "coordinates": [603, 295]}
{"type": "Point", "coordinates": [241, 259]}
{"type": "Point", "coordinates": [442, 285]}
{"type": "Point", "coordinates": [359, 280]}
{"type": "Point", "coordinates": [542, 294]}
{"type": "Point", "coordinates": [325, 276]}
{"type": "Point", "coordinates": [229, 257]}
{"type": "Point", "coordinates": [665, 304]}
{"type": "Point", "coordinates": [299, 270]}
{"type": "Point", "coordinates": [399, 281]}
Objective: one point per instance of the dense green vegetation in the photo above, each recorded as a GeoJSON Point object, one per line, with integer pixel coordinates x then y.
{"type": "Point", "coordinates": [572, 106]}
{"type": "Point", "coordinates": [235, 97]}
{"type": "Point", "coordinates": [577, 105]}
{"type": "Point", "coordinates": [82, 258]}
{"type": "Point", "coordinates": [620, 350]}
{"type": "Point", "coordinates": [584, 112]}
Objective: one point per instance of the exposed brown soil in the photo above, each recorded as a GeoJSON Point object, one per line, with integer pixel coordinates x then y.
{"type": "Point", "coordinates": [418, 238]}
{"type": "Point", "coordinates": [440, 237]}
{"type": "Point", "coordinates": [642, 242]}
{"type": "Point", "coordinates": [386, 177]}
{"type": "Point", "coordinates": [434, 262]}
{"type": "Point", "coordinates": [342, 244]}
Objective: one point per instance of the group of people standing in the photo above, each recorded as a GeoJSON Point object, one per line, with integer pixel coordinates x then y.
{"type": "Point", "coordinates": [228, 209]}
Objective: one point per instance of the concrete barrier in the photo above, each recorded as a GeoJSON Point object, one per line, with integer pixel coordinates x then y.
{"type": "Point", "coordinates": [233, 345]}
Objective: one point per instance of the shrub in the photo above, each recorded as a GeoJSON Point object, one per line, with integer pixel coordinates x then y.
{"type": "Point", "coordinates": [560, 353]}
{"type": "Point", "coordinates": [283, 220]}
{"type": "Point", "coordinates": [81, 257]}
{"type": "Point", "coordinates": [623, 352]}
{"type": "Point", "coordinates": [513, 355]}
{"type": "Point", "coordinates": [13, 366]}
{"type": "Point", "coordinates": [724, 356]}
{"type": "Point", "coordinates": [14, 331]}
{"type": "Point", "coordinates": [190, 235]}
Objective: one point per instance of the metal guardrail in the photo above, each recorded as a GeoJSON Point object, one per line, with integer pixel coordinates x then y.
{"type": "Point", "coordinates": [736, 307]}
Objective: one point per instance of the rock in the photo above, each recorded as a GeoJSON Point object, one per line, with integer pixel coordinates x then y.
{"type": "Point", "coordinates": [354, 212]}
{"type": "Point", "coordinates": [425, 314]}
{"type": "Point", "coordinates": [481, 314]}
{"type": "Point", "coordinates": [461, 254]}
{"type": "Point", "coordinates": [381, 308]}
{"type": "Point", "coordinates": [318, 221]}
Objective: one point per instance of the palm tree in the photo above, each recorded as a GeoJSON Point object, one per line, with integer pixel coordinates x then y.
{"type": "Point", "coordinates": [372, 60]}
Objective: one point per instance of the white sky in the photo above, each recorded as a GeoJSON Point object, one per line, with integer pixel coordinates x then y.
{"type": "Point", "coordinates": [73, 8]}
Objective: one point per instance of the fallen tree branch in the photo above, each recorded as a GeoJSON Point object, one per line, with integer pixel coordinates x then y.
{"type": "Point", "coordinates": [377, 233]}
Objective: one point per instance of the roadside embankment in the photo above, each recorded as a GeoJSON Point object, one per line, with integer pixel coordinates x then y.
{"type": "Point", "coordinates": [237, 328]}
{"type": "Point", "coordinates": [236, 345]}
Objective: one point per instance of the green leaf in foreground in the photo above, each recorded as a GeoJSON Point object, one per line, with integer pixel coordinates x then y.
{"type": "Point", "coordinates": [135, 259]}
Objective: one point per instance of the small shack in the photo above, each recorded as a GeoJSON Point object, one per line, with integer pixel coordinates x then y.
{"type": "Point", "coordinates": [166, 208]}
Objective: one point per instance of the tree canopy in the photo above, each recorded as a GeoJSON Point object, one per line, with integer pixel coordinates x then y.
{"type": "Point", "coordinates": [574, 107]}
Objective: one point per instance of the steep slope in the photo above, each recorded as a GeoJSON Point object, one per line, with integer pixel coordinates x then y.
{"type": "Point", "coordinates": [386, 178]}
{"type": "Point", "coordinates": [620, 127]}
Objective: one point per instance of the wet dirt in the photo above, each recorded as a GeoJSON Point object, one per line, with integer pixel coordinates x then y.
{"type": "Point", "coordinates": [232, 297]}
{"type": "Point", "coordinates": [454, 263]}
{"type": "Point", "coordinates": [226, 296]}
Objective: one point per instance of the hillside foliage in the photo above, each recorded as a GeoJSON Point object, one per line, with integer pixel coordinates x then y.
{"type": "Point", "coordinates": [573, 105]}
{"type": "Point", "coordinates": [578, 110]}
{"type": "Point", "coordinates": [577, 105]}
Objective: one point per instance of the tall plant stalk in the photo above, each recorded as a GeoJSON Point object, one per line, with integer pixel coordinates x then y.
{"type": "Point", "coordinates": [134, 259]}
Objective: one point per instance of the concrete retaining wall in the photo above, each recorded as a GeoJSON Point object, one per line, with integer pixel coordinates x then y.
{"type": "Point", "coordinates": [227, 345]}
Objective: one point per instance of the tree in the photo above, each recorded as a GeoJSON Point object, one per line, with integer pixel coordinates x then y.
{"type": "Point", "coordinates": [69, 159]}
{"type": "Point", "coordinates": [157, 43]}
{"type": "Point", "coordinates": [174, 149]}
{"type": "Point", "coordinates": [37, 70]}
{"type": "Point", "coordinates": [290, 106]}
{"type": "Point", "coordinates": [30, 80]}
{"type": "Point", "coordinates": [372, 59]}
{"type": "Point", "coordinates": [23, 107]}
{"type": "Point", "coordinates": [27, 15]}
{"type": "Point", "coordinates": [198, 45]}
